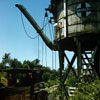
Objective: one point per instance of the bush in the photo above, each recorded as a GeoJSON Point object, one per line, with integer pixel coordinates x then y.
{"type": "Point", "coordinates": [88, 91]}
{"type": "Point", "coordinates": [71, 81]}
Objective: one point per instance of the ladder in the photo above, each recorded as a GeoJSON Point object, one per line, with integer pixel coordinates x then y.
{"type": "Point", "coordinates": [86, 57]}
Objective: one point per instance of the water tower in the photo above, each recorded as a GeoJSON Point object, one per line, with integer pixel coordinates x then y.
{"type": "Point", "coordinates": [77, 27]}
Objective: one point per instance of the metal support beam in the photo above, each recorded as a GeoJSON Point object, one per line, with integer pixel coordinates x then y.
{"type": "Point", "coordinates": [69, 63]}
{"type": "Point", "coordinates": [61, 64]}
{"type": "Point", "coordinates": [79, 57]}
{"type": "Point", "coordinates": [97, 59]}
{"type": "Point", "coordinates": [90, 62]}
{"type": "Point", "coordinates": [69, 68]}
{"type": "Point", "coordinates": [87, 66]}
{"type": "Point", "coordinates": [65, 92]}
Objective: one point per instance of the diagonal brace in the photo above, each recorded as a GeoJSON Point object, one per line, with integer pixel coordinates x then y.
{"type": "Point", "coordinates": [69, 68]}
{"type": "Point", "coordinates": [90, 64]}
{"type": "Point", "coordinates": [69, 64]}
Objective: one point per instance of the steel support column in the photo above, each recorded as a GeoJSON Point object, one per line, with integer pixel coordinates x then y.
{"type": "Point", "coordinates": [61, 64]}
{"type": "Point", "coordinates": [69, 68]}
{"type": "Point", "coordinates": [97, 59]}
{"type": "Point", "coordinates": [79, 56]}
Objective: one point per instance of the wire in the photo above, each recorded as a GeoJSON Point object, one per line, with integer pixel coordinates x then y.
{"type": "Point", "coordinates": [42, 41]}
{"type": "Point", "coordinates": [42, 52]}
{"type": "Point", "coordinates": [49, 29]}
{"type": "Point", "coordinates": [38, 48]}
{"type": "Point", "coordinates": [45, 51]}
{"type": "Point", "coordinates": [51, 40]}
{"type": "Point", "coordinates": [55, 61]}
{"type": "Point", "coordinates": [53, 30]}
{"type": "Point", "coordinates": [46, 55]}
{"type": "Point", "coordinates": [25, 29]}
{"type": "Point", "coordinates": [45, 48]}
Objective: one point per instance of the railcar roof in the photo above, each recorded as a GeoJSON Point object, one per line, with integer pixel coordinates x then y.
{"type": "Point", "coordinates": [55, 1]}
{"type": "Point", "coordinates": [21, 70]}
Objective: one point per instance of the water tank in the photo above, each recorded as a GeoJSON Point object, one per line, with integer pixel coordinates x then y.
{"type": "Point", "coordinates": [75, 17]}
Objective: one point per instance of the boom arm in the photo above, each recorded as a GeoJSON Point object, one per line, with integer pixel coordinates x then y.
{"type": "Point", "coordinates": [51, 45]}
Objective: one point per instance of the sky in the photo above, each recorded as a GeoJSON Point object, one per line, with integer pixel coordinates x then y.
{"type": "Point", "coordinates": [13, 39]}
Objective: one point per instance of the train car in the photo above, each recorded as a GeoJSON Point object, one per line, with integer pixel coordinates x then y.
{"type": "Point", "coordinates": [23, 84]}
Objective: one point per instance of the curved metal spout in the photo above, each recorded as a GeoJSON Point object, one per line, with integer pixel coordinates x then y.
{"type": "Point", "coordinates": [51, 45]}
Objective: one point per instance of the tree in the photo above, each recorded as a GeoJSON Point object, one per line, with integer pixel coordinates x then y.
{"type": "Point", "coordinates": [28, 64]}
{"type": "Point", "coordinates": [6, 59]}
{"type": "Point", "coordinates": [36, 61]}
{"type": "Point", "coordinates": [14, 63]}
{"type": "Point", "coordinates": [1, 66]}
{"type": "Point", "coordinates": [46, 76]}
{"type": "Point", "coordinates": [31, 64]}
{"type": "Point", "coordinates": [47, 69]}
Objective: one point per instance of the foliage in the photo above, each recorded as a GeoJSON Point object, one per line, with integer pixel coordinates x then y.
{"type": "Point", "coordinates": [5, 60]}
{"type": "Point", "coordinates": [46, 76]}
{"type": "Point", "coordinates": [3, 79]}
{"type": "Point", "coordinates": [52, 82]}
{"type": "Point", "coordinates": [1, 66]}
{"type": "Point", "coordinates": [31, 64]}
{"type": "Point", "coordinates": [27, 64]}
{"type": "Point", "coordinates": [14, 63]}
{"type": "Point", "coordinates": [50, 77]}
{"type": "Point", "coordinates": [71, 79]}
{"type": "Point", "coordinates": [88, 91]}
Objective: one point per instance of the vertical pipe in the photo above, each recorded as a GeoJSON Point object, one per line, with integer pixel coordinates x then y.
{"type": "Point", "coordinates": [65, 27]}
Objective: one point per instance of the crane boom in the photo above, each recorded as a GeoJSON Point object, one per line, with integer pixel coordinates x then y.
{"type": "Point", "coordinates": [51, 45]}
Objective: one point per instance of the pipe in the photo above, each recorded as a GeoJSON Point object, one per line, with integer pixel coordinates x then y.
{"type": "Point", "coordinates": [51, 45]}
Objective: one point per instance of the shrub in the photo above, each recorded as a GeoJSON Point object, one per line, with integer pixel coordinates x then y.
{"type": "Point", "coordinates": [88, 91]}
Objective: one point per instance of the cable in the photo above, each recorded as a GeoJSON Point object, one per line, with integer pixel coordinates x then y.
{"type": "Point", "coordinates": [45, 49]}
{"type": "Point", "coordinates": [42, 41]}
{"type": "Point", "coordinates": [25, 29]}
{"type": "Point", "coordinates": [55, 60]}
{"type": "Point", "coordinates": [38, 48]}
{"type": "Point", "coordinates": [51, 40]}
{"type": "Point", "coordinates": [46, 55]}
{"type": "Point", "coordinates": [42, 52]}
{"type": "Point", "coordinates": [53, 30]}
{"type": "Point", "coordinates": [49, 29]}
